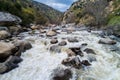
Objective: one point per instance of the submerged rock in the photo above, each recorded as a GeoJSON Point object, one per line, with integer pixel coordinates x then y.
{"type": "Point", "coordinates": [62, 74]}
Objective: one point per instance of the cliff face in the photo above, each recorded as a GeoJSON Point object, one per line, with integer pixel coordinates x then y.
{"type": "Point", "coordinates": [93, 12]}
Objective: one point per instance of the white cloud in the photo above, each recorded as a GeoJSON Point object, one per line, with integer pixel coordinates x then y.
{"type": "Point", "coordinates": [59, 6]}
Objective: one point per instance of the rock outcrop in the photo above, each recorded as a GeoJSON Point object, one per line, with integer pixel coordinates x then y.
{"type": "Point", "coordinates": [9, 18]}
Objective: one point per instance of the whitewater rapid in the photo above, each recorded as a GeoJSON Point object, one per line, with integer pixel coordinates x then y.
{"type": "Point", "coordinates": [38, 63]}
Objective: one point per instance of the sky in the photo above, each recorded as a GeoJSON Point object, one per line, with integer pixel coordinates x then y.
{"type": "Point", "coordinates": [61, 5]}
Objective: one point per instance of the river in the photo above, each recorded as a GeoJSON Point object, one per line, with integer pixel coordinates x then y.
{"type": "Point", "coordinates": [38, 63]}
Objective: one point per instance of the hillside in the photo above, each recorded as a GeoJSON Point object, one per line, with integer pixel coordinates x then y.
{"type": "Point", "coordinates": [30, 11]}
{"type": "Point", "coordinates": [93, 12]}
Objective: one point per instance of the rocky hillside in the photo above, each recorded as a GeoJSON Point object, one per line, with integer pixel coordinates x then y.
{"type": "Point", "coordinates": [93, 12]}
{"type": "Point", "coordinates": [30, 11]}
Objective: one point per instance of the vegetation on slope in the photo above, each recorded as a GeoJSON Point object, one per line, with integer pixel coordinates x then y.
{"type": "Point", "coordinates": [27, 11]}
{"type": "Point", "coordinates": [94, 12]}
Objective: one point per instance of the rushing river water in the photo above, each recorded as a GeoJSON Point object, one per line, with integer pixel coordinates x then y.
{"type": "Point", "coordinates": [38, 63]}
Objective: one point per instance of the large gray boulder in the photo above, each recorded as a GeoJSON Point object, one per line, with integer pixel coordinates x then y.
{"type": "Point", "coordinates": [9, 18]}
{"type": "Point", "coordinates": [5, 50]}
{"type": "Point", "coordinates": [4, 34]}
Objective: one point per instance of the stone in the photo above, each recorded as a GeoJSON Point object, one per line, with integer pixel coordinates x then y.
{"type": "Point", "coordinates": [72, 40]}
{"type": "Point", "coordinates": [88, 50]}
{"type": "Point", "coordinates": [7, 18]}
{"type": "Point", "coordinates": [73, 62]}
{"type": "Point", "coordinates": [55, 48]}
{"type": "Point", "coordinates": [42, 31]}
{"type": "Point", "coordinates": [70, 52]}
{"type": "Point", "coordinates": [54, 41]}
{"type": "Point", "coordinates": [51, 33]}
{"type": "Point", "coordinates": [62, 43]}
{"type": "Point", "coordinates": [77, 51]}
{"type": "Point", "coordinates": [5, 50]}
{"type": "Point", "coordinates": [107, 41]}
{"type": "Point", "coordinates": [4, 34]}
{"type": "Point", "coordinates": [62, 74]}
{"type": "Point", "coordinates": [3, 68]}
{"type": "Point", "coordinates": [21, 46]}
{"type": "Point", "coordinates": [86, 63]}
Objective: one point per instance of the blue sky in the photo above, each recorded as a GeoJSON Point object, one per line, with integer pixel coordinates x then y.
{"type": "Point", "coordinates": [61, 5]}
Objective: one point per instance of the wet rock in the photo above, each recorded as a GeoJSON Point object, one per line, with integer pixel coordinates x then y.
{"type": "Point", "coordinates": [84, 44]}
{"type": "Point", "coordinates": [86, 63]}
{"type": "Point", "coordinates": [54, 41]}
{"type": "Point", "coordinates": [70, 52]}
{"type": "Point", "coordinates": [73, 62]}
{"type": "Point", "coordinates": [51, 33]}
{"type": "Point", "coordinates": [91, 57]}
{"type": "Point", "coordinates": [5, 50]}
{"type": "Point", "coordinates": [4, 34]}
{"type": "Point", "coordinates": [70, 29]}
{"type": "Point", "coordinates": [62, 74]}
{"type": "Point", "coordinates": [107, 41]}
{"type": "Point", "coordinates": [21, 46]}
{"type": "Point", "coordinates": [114, 48]}
{"type": "Point", "coordinates": [55, 48]}
{"type": "Point", "coordinates": [62, 43]}
{"type": "Point", "coordinates": [10, 64]}
{"type": "Point", "coordinates": [3, 68]}
{"type": "Point", "coordinates": [42, 31]}
{"type": "Point", "coordinates": [87, 50]}
{"type": "Point", "coordinates": [72, 40]}
{"type": "Point", "coordinates": [77, 51]}
{"type": "Point", "coordinates": [33, 27]}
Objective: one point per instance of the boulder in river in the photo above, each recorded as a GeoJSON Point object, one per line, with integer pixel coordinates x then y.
{"type": "Point", "coordinates": [107, 41]}
{"type": "Point", "coordinates": [21, 46]}
{"type": "Point", "coordinates": [88, 50]}
{"type": "Point", "coordinates": [62, 74]}
{"type": "Point", "coordinates": [72, 40]}
{"type": "Point", "coordinates": [4, 34]}
{"type": "Point", "coordinates": [77, 51]}
{"type": "Point", "coordinates": [5, 50]}
{"type": "Point", "coordinates": [51, 33]}
{"type": "Point", "coordinates": [9, 64]}
{"type": "Point", "coordinates": [62, 43]}
{"type": "Point", "coordinates": [70, 52]}
{"type": "Point", "coordinates": [54, 41]}
{"type": "Point", "coordinates": [55, 48]}
{"type": "Point", "coordinates": [73, 62]}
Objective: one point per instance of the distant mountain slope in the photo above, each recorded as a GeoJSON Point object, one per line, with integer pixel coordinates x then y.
{"type": "Point", "coordinates": [31, 11]}
{"type": "Point", "coordinates": [53, 15]}
{"type": "Point", "coordinates": [93, 12]}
